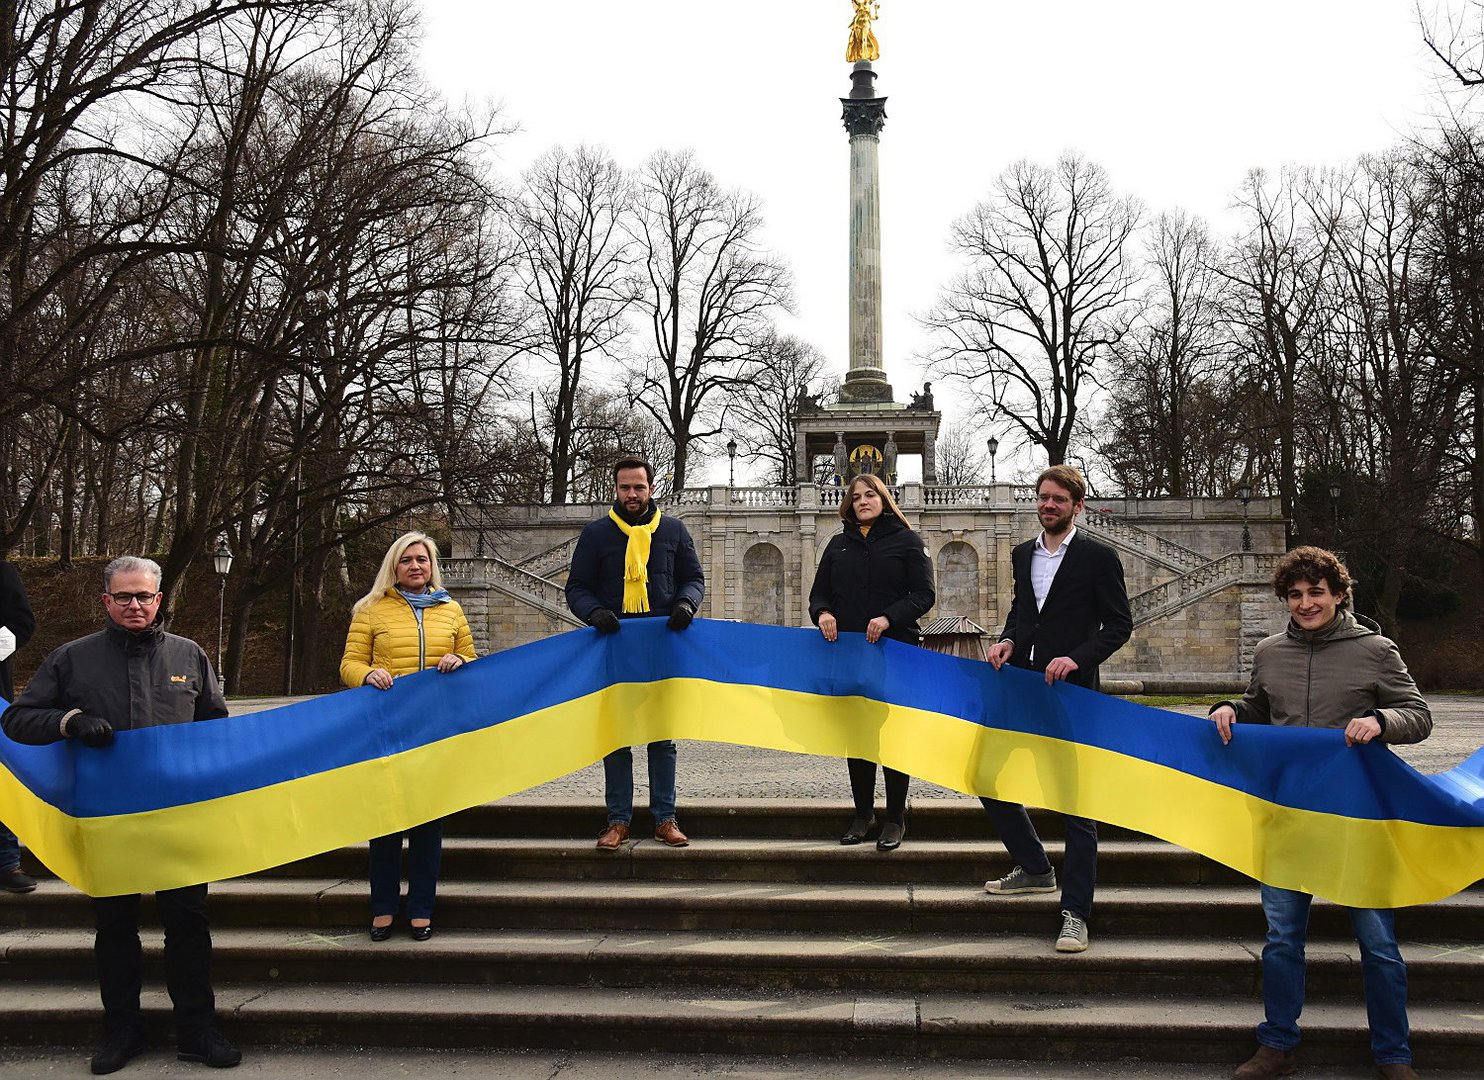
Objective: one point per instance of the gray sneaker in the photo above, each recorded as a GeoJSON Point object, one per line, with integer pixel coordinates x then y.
{"type": "Point", "coordinates": [1017, 882]}
{"type": "Point", "coordinates": [1073, 936]}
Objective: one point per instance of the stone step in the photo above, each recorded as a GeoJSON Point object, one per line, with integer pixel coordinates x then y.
{"type": "Point", "coordinates": [955, 818]}
{"type": "Point", "coordinates": [338, 905]}
{"type": "Point", "coordinates": [862, 961]}
{"type": "Point", "coordinates": [786, 860]}
{"type": "Point", "coordinates": [1062, 1027]}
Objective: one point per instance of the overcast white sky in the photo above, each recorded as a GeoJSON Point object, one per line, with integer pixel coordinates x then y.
{"type": "Point", "coordinates": [1177, 100]}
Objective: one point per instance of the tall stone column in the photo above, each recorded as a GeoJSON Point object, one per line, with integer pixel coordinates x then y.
{"type": "Point", "coordinates": [865, 115]}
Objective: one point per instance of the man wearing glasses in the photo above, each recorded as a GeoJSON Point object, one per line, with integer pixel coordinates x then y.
{"type": "Point", "coordinates": [1070, 613]}
{"type": "Point", "coordinates": [131, 674]}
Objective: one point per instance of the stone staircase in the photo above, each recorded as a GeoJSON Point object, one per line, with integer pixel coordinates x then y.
{"type": "Point", "coordinates": [545, 596]}
{"type": "Point", "coordinates": [1150, 546]}
{"type": "Point", "coordinates": [1168, 597]}
{"type": "Point", "coordinates": [764, 936]}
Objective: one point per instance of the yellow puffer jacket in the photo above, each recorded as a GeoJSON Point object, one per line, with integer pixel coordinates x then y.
{"type": "Point", "coordinates": [385, 635]}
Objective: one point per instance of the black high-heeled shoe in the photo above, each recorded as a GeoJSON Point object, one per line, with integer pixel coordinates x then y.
{"type": "Point", "coordinates": [859, 828]}
{"type": "Point", "coordinates": [381, 933]}
{"type": "Point", "coordinates": [891, 836]}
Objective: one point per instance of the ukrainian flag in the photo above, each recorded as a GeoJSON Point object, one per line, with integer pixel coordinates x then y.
{"type": "Point", "coordinates": [170, 806]}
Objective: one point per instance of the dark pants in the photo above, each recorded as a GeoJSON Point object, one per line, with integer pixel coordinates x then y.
{"type": "Point", "coordinates": [863, 790]}
{"type": "Point", "coordinates": [1079, 872]}
{"type": "Point", "coordinates": [187, 959]}
{"type": "Point", "coordinates": [424, 856]}
{"type": "Point", "coordinates": [10, 849]}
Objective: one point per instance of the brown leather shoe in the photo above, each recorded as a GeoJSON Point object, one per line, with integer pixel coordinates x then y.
{"type": "Point", "coordinates": [1266, 1064]}
{"type": "Point", "coordinates": [1400, 1071]}
{"type": "Point", "coordinates": [670, 833]}
{"type": "Point", "coordinates": [616, 834]}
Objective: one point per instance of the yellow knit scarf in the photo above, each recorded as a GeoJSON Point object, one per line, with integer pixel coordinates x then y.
{"type": "Point", "coordinates": [636, 561]}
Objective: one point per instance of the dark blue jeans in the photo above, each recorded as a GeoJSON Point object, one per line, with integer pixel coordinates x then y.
{"type": "Point", "coordinates": [424, 856]}
{"type": "Point", "coordinates": [1079, 871]}
{"type": "Point", "coordinates": [187, 959]}
{"type": "Point", "coordinates": [1383, 973]}
{"type": "Point", "coordinates": [10, 850]}
{"type": "Point", "coordinates": [618, 783]}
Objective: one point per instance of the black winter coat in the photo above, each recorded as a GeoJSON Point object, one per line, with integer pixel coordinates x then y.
{"type": "Point", "coordinates": [131, 680]}
{"type": "Point", "coordinates": [596, 577]}
{"type": "Point", "coordinates": [885, 572]}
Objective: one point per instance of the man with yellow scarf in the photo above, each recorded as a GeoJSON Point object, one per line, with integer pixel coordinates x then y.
{"type": "Point", "coordinates": [633, 563]}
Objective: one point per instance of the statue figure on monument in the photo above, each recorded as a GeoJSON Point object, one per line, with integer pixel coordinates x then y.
{"type": "Point", "coordinates": [889, 455]}
{"type": "Point", "coordinates": [863, 44]}
{"type": "Point", "coordinates": [842, 456]}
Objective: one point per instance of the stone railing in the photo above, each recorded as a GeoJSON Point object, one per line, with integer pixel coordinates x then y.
{"type": "Point", "coordinates": [959, 495]}
{"type": "Point", "coordinates": [1170, 596]}
{"type": "Point", "coordinates": [763, 496]}
{"type": "Point", "coordinates": [511, 580]}
{"type": "Point", "coordinates": [1151, 545]}
{"type": "Point", "coordinates": [553, 558]}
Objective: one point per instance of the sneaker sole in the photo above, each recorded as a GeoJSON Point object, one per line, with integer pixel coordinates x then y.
{"type": "Point", "coordinates": [1067, 945]}
{"type": "Point", "coordinates": [201, 1059]}
{"type": "Point", "coordinates": [988, 887]}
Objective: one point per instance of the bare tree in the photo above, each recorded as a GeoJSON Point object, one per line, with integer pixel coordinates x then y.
{"type": "Point", "coordinates": [1455, 35]}
{"type": "Point", "coordinates": [963, 458]}
{"type": "Point", "coordinates": [707, 290]}
{"type": "Point", "coordinates": [777, 376]}
{"type": "Point", "coordinates": [1165, 372]}
{"type": "Point", "coordinates": [576, 260]}
{"type": "Point", "coordinates": [1045, 298]}
{"type": "Point", "coordinates": [1280, 272]}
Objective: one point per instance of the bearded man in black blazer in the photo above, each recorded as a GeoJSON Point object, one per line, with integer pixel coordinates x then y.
{"type": "Point", "coordinates": [1070, 613]}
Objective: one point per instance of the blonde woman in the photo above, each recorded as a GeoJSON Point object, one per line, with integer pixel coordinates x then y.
{"type": "Point", "coordinates": [406, 623]}
{"type": "Point", "coordinates": [874, 578]}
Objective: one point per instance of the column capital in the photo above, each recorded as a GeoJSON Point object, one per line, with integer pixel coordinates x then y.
{"type": "Point", "coordinates": [864, 116]}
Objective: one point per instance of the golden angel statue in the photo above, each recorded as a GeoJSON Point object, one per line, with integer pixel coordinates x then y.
{"type": "Point", "coordinates": [863, 44]}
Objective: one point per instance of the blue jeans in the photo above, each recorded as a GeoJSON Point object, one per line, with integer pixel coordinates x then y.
{"type": "Point", "coordinates": [424, 855]}
{"type": "Point", "coordinates": [1382, 969]}
{"type": "Point", "coordinates": [10, 850]}
{"type": "Point", "coordinates": [618, 783]}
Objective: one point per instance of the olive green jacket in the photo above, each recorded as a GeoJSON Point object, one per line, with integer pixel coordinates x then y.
{"type": "Point", "coordinates": [1326, 678]}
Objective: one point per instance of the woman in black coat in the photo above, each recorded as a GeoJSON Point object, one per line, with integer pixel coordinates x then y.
{"type": "Point", "coordinates": [874, 578]}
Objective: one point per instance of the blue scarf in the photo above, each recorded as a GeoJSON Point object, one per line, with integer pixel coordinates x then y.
{"type": "Point", "coordinates": [431, 598]}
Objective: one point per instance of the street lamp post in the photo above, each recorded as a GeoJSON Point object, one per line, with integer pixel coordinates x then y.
{"type": "Point", "coordinates": [1334, 507]}
{"type": "Point", "coordinates": [222, 558]}
{"type": "Point", "coordinates": [994, 447]}
{"type": "Point", "coordinates": [1244, 493]}
{"type": "Point", "coordinates": [731, 463]}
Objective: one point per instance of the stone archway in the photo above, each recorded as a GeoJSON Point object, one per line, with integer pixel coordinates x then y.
{"type": "Point", "coordinates": [762, 585]}
{"type": "Point", "coordinates": [958, 581]}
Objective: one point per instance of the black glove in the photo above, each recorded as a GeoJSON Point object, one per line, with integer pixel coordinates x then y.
{"type": "Point", "coordinates": [604, 620]}
{"type": "Point", "coordinates": [94, 731]}
{"type": "Point", "coordinates": [681, 615]}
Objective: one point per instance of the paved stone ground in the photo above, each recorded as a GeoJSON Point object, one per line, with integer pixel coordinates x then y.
{"type": "Point", "coordinates": [720, 770]}
{"type": "Point", "coordinates": [369, 1064]}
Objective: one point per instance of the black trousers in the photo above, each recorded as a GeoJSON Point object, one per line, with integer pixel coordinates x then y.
{"type": "Point", "coordinates": [863, 790]}
{"type": "Point", "coordinates": [1079, 872]}
{"type": "Point", "coordinates": [187, 959]}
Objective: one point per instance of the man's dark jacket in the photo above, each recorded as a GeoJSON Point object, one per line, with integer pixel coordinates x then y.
{"type": "Point", "coordinates": [596, 577]}
{"type": "Point", "coordinates": [1085, 616]}
{"type": "Point", "coordinates": [15, 613]}
{"type": "Point", "coordinates": [131, 680]}
{"type": "Point", "coordinates": [885, 572]}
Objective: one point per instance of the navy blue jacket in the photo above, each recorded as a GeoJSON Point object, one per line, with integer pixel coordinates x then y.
{"type": "Point", "coordinates": [886, 572]}
{"type": "Point", "coordinates": [596, 577]}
